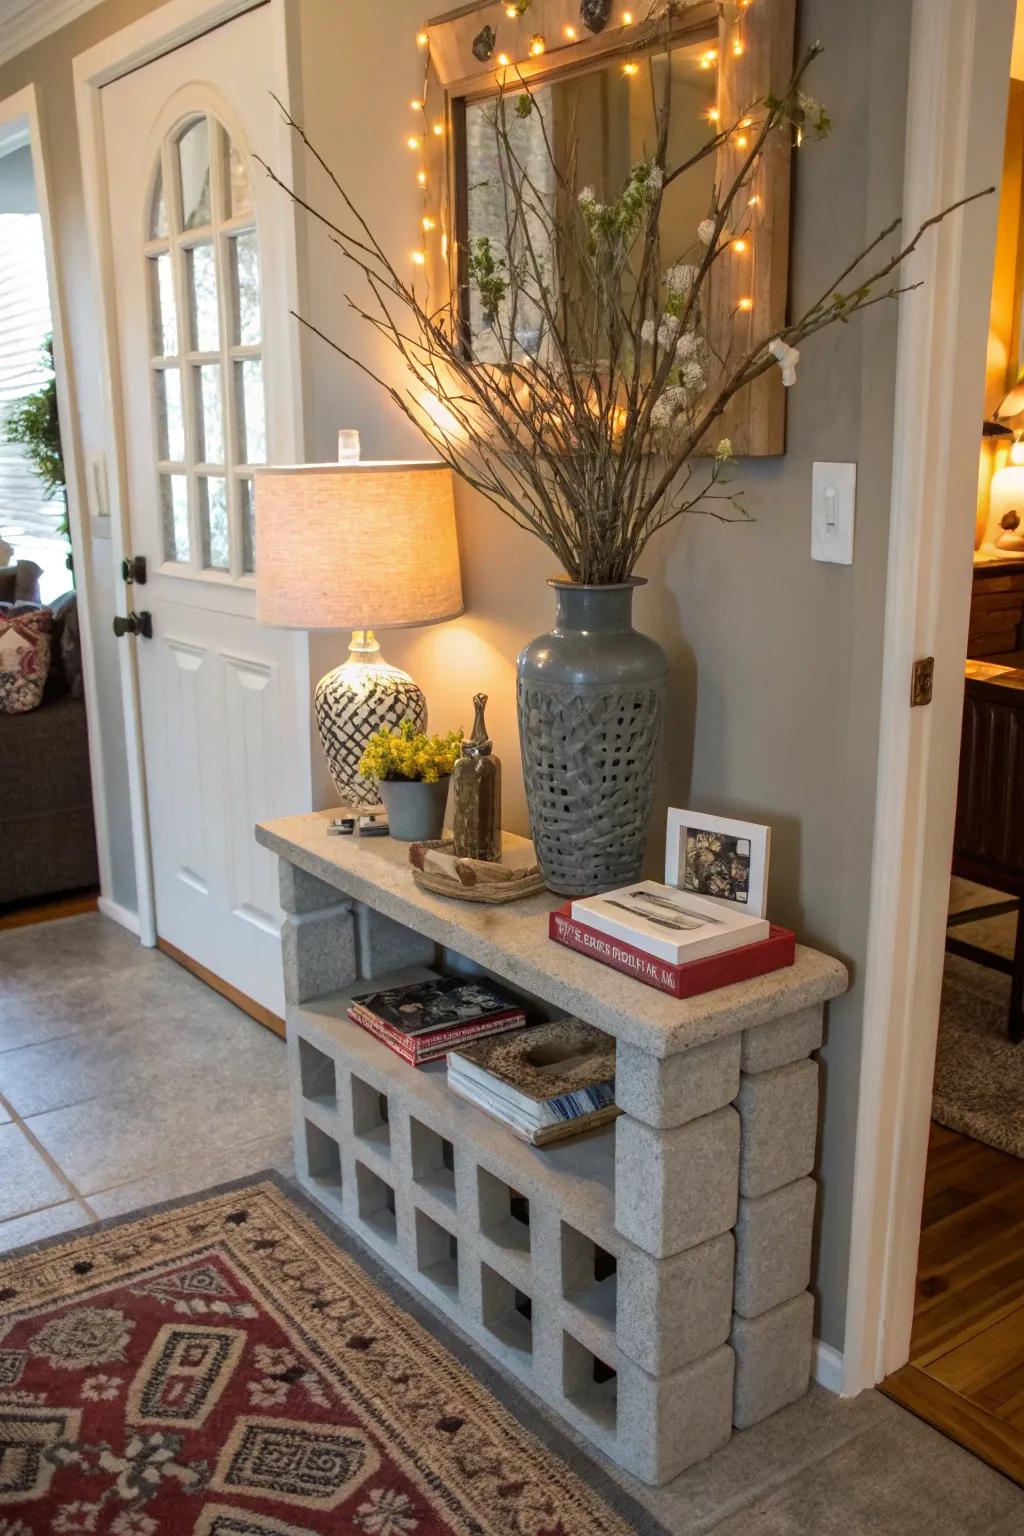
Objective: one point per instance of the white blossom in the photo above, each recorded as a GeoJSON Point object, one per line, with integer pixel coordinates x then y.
{"type": "Point", "coordinates": [689, 346]}
{"type": "Point", "coordinates": [654, 178]}
{"type": "Point", "coordinates": [694, 378]}
{"type": "Point", "coordinates": [706, 231]}
{"type": "Point", "coordinates": [724, 449]}
{"type": "Point", "coordinates": [647, 332]}
{"type": "Point", "coordinates": [668, 330]}
{"type": "Point", "coordinates": [587, 198]}
{"type": "Point", "coordinates": [668, 406]}
{"type": "Point", "coordinates": [681, 277]}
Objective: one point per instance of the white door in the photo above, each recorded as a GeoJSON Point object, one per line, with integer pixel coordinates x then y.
{"type": "Point", "coordinates": [199, 242]}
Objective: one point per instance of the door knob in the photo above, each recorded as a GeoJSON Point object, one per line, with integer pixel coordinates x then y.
{"type": "Point", "coordinates": [134, 624]}
{"type": "Point", "coordinates": [133, 569]}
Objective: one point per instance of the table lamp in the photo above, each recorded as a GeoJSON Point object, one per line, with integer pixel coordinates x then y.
{"type": "Point", "coordinates": [360, 546]}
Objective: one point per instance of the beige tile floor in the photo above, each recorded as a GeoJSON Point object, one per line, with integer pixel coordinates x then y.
{"type": "Point", "coordinates": [124, 1081]}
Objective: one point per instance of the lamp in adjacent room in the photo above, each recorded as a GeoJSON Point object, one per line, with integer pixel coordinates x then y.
{"type": "Point", "coordinates": [359, 546]}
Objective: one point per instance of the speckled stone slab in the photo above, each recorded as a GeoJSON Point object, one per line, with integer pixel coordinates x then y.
{"type": "Point", "coordinates": [512, 942]}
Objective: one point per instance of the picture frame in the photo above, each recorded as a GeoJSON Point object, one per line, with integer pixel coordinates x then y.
{"type": "Point", "coordinates": [734, 874]}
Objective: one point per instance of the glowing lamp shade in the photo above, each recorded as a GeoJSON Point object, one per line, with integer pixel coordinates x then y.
{"type": "Point", "coordinates": [358, 546]}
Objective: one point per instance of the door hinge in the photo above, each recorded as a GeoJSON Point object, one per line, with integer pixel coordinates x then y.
{"type": "Point", "coordinates": [922, 681]}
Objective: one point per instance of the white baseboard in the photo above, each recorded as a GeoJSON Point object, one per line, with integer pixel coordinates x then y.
{"type": "Point", "coordinates": [119, 914]}
{"type": "Point", "coordinates": [827, 1367]}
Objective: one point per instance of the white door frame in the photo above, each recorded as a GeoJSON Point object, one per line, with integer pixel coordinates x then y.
{"type": "Point", "coordinates": [959, 79]}
{"type": "Point", "coordinates": [149, 38]}
{"type": "Point", "coordinates": [19, 124]}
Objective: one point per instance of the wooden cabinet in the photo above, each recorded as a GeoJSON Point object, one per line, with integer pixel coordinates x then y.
{"type": "Point", "coordinates": [997, 609]}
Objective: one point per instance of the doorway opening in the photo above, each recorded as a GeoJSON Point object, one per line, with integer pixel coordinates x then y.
{"type": "Point", "coordinates": [46, 803]}
{"type": "Point", "coordinates": [966, 1369]}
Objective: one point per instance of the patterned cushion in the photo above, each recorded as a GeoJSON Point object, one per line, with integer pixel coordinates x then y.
{"type": "Point", "coordinates": [24, 660]}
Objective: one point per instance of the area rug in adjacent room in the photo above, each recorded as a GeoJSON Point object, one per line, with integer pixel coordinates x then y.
{"type": "Point", "coordinates": [225, 1368]}
{"type": "Point", "coordinates": [979, 1075]}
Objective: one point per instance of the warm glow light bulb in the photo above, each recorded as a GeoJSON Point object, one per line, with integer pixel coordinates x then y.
{"type": "Point", "coordinates": [754, 201]}
{"type": "Point", "coordinates": [503, 60]}
{"type": "Point", "coordinates": [631, 68]}
{"type": "Point", "coordinates": [422, 39]}
{"type": "Point", "coordinates": [627, 18]}
{"type": "Point", "coordinates": [421, 177]}
{"type": "Point", "coordinates": [746, 305]}
{"type": "Point", "coordinates": [737, 49]}
{"type": "Point", "coordinates": [742, 141]}
{"type": "Point", "coordinates": [418, 259]}
{"type": "Point", "coordinates": [570, 33]}
{"type": "Point", "coordinates": [438, 130]}
{"type": "Point", "coordinates": [417, 106]}
{"type": "Point", "coordinates": [412, 141]}
{"type": "Point", "coordinates": [713, 114]}
{"type": "Point", "coordinates": [511, 12]}
{"type": "Point", "coordinates": [429, 223]}
{"type": "Point", "coordinates": [740, 246]}
{"type": "Point", "coordinates": [537, 45]}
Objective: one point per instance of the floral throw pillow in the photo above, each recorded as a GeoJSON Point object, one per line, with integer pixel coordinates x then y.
{"type": "Point", "coordinates": [24, 659]}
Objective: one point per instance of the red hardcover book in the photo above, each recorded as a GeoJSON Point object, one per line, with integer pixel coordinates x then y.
{"type": "Point", "coordinates": [689, 979]}
{"type": "Point", "coordinates": [417, 1049]}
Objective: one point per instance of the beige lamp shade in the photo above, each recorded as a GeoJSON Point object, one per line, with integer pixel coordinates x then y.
{"type": "Point", "coordinates": [356, 546]}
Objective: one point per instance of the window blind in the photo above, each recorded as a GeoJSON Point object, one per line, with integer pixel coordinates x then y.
{"type": "Point", "coordinates": [27, 520]}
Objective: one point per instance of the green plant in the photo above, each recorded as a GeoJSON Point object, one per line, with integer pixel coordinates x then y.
{"type": "Point", "coordinates": [33, 423]}
{"type": "Point", "coordinates": [410, 754]}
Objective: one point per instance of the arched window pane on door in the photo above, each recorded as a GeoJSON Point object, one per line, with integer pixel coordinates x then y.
{"type": "Point", "coordinates": [203, 270]}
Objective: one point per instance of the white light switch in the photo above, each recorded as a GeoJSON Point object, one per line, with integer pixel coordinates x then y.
{"type": "Point", "coordinates": [833, 502]}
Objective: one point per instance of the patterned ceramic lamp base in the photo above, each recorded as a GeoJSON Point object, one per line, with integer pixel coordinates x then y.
{"type": "Point", "coordinates": [355, 700]}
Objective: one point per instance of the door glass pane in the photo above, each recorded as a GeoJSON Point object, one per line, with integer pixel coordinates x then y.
{"type": "Point", "coordinates": [165, 318]}
{"type": "Point", "coordinates": [209, 415]}
{"type": "Point", "coordinates": [170, 420]}
{"type": "Point", "coordinates": [248, 527]}
{"type": "Point", "coordinates": [174, 499]}
{"type": "Point", "coordinates": [213, 515]}
{"type": "Point", "coordinates": [252, 415]}
{"type": "Point", "coordinates": [245, 260]}
{"type": "Point", "coordinates": [239, 186]}
{"type": "Point", "coordinates": [194, 160]}
{"type": "Point", "coordinates": [158, 212]}
{"type": "Point", "coordinates": [202, 285]}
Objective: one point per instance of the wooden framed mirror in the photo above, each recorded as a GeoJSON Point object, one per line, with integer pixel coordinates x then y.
{"type": "Point", "coordinates": [595, 89]}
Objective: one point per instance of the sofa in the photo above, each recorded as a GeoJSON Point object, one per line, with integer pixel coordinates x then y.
{"type": "Point", "coordinates": [47, 837]}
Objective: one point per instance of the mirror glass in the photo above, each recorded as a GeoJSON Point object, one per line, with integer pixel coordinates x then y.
{"type": "Point", "coordinates": [594, 126]}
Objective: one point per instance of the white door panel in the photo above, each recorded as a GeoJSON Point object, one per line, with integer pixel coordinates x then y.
{"type": "Point", "coordinates": [202, 312]}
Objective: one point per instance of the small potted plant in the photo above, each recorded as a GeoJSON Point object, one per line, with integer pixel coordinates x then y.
{"type": "Point", "coordinates": [413, 772]}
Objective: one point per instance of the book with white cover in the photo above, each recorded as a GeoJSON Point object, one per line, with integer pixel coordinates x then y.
{"type": "Point", "coordinates": [670, 924]}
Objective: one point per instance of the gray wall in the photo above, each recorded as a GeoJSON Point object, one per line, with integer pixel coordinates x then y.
{"type": "Point", "coordinates": [775, 659]}
{"type": "Point", "coordinates": [17, 182]}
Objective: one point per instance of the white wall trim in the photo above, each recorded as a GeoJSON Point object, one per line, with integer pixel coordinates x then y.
{"type": "Point", "coordinates": [19, 115]}
{"type": "Point", "coordinates": [38, 19]}
{"type": "Point", "coordinates": [827, 1367]}
{"type": "Point", "coordinates": [119, 914]}
{"type": "Point", "coordinates": [173, 25]}
{"type": "Point", "coordinates": [959, 79]}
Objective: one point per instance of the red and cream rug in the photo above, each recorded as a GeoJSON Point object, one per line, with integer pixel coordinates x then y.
{"type": "Point", "coordinates": [224, 1368]}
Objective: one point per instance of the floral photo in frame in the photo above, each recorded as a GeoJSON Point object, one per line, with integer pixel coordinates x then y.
{"type": "Point", "coordinates": [720, 858]}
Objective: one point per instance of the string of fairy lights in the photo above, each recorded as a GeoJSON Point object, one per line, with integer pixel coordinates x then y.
{"type": "Point", "coordinates": [515, 10]}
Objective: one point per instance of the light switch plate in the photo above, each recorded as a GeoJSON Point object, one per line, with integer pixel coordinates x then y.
{"type": "Point", "coordinates": [833, 505]}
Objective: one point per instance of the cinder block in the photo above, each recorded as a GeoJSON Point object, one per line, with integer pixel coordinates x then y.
{"type": "Point", "coordinates": [669, 1423]}
{"type": "Point", "coordinates": [383, 945]}
{"type": "Point", "coordinates": [676, 1188]}
{"type": "Point", "coordinates": [672, 1311]}
{"type": "Point", "coordinates": [318, 953]}
{"type": "Point", "coordinates": [773, 1247]}
{"type": "Point", "coordinates": [779, 1111]}
{"type": "Point", "coordinates": [302, 892]}
{"type": "Point", "coordinates": [773, 1359]}
{"type": "Point", "coordinates": [670, 1092]}
{"type": "Point", "coordinates": [782, 1040]}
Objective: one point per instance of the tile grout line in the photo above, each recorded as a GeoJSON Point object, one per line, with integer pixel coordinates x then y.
{"type": "Point", "coordinates": [50, 1162]}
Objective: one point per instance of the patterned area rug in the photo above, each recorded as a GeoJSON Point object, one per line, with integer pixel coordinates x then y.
{"type": "Point", "coordinates": [224, 1368]}
{"type": "Point", "coordinates": [979, 1075]}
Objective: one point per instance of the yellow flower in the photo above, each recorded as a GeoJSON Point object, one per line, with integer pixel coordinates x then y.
{"type": "Point", "coordinates": [410, 754]}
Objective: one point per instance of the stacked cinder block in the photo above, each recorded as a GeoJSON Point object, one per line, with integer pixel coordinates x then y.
{"type": "Point", "coordinates": [648, 1281]}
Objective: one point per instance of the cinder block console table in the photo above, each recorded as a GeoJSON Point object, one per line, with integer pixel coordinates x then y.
{"type": "Point", "coordinates": [649, 1280]}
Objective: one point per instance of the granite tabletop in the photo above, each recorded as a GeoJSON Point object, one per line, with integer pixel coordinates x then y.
{"type": "Point", "coordinates": [512, 941]}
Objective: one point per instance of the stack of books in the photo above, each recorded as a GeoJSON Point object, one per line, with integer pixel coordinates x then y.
{"type": "Point", "coordinates": [425, 1019]}
{"type": "Point", "coordinates": [677, 941]}
{"type": "Point", "coordinates": [546, 1083]}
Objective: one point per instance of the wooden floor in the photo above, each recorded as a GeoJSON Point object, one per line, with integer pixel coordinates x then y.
{"type": "Point", "coordinates": [966, 1371]}
{"type": "Point", "coordinates": [24, 914]}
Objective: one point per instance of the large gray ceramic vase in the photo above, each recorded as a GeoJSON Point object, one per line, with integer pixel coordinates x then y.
{"type": "Point", "coordinates": [591, 701]}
